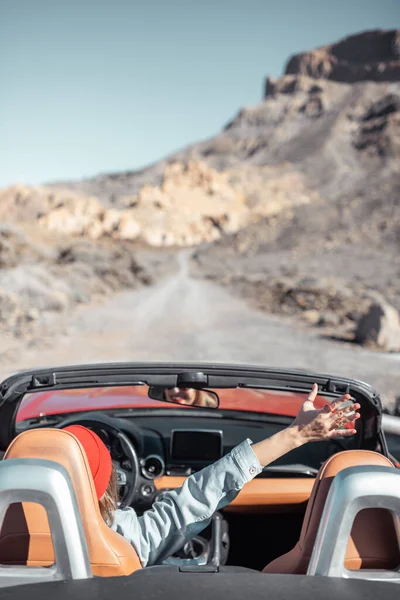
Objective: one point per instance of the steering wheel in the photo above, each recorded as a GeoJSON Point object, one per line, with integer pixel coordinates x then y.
{"type": "Point", "coordinates": [128, 477]}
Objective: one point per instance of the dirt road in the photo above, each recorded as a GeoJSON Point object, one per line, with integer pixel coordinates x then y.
{"type": "Point", "coordinates": [188, 319]}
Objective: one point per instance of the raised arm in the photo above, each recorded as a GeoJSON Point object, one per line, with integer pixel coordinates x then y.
{"type": "Point", "coordinates": [310, 425]}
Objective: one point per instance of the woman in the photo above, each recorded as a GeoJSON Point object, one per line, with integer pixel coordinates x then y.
{"type": "Point", "coordinates": [191, 397]}
{"type": "Point", "coordinates": [183, 513]}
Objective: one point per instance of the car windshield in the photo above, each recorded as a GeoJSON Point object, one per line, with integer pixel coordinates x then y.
{"type": "Point", "coordinates": [54, 402]}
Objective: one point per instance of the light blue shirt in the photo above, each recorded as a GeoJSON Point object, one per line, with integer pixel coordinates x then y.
{"type": "Point", "coordinates": [183, 513]}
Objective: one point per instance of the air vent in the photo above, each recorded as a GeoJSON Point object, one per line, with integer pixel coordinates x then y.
{"type": "Point", "coordinates": [153, 467]}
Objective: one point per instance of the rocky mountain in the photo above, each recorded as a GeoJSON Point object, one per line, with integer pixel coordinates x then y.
{"type": "Point", "coordinates": [328, 127]}
{"type": "Point", "coordinates": [335, 118]}
{"type": "Point", "coordinates": [312, 116]}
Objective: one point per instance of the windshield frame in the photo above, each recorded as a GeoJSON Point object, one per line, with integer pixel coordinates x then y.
{"type": "Point", "coordinates": [131, 399]}
{"type": "Point", "coordinates": [213, 376]}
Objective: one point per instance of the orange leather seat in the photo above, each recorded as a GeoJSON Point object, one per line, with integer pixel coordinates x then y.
{"type": "Point", "coordinates": [373, 541]}
{"type": "Point", "coordinates": [25, 537]}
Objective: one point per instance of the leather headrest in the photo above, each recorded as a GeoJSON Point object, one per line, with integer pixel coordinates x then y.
{"type": "Point", "coordinates": [335, 464]}
{"type": "Point", "coordinates": [110, 554]}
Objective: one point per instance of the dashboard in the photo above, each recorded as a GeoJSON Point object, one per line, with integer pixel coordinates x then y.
{"type": "Point", "coordinates": [172, 447]}
{"type": "Point", "coordinates": [172, 444]}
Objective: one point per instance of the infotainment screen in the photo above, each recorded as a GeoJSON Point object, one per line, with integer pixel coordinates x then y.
{"type": "Point", "coordinates": [195, 445]}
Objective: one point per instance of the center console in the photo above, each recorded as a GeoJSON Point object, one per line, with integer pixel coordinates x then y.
{"type": "Point", "coordinates": [211, 548]}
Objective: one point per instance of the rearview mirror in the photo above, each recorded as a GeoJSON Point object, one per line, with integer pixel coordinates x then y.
{"type": "Point", "coordinates": [185, 396]}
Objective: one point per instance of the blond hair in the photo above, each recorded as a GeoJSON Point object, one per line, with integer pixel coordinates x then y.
{"type": "Point", "coordinates": [108, 503]}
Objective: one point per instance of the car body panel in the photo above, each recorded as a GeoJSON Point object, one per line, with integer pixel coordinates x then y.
{"type": "Point", "coordinates": [235, 583]}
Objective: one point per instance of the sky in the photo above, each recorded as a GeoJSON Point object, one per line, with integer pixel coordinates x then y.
{"type": "Point", "coordinates": [94, 86]}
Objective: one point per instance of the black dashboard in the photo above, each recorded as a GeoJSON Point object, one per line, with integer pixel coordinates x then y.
{"type": "Point", "coordinates": [180, 445]}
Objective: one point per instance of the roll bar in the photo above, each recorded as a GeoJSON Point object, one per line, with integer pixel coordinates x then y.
{"type": "Point", "coordinates": [47, 483]}
{"type": "Point", "coordinates": [352, 490]}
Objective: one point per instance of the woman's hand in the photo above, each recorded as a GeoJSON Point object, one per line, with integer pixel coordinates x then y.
{"type": "Point", "coordinates": [310, 425]}
{"type": "Point", "coordinates": [314, 425]}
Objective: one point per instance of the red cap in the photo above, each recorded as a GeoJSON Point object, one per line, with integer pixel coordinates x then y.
{"type": "Point", "coordinates": [97, 454]}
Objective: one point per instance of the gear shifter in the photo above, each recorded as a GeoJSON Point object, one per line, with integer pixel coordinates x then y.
{"type": "Point", "coordinates": [200, 551]}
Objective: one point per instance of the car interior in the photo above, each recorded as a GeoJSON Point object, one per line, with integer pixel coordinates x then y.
{"type": "Point", "coordinates": [156, 441]}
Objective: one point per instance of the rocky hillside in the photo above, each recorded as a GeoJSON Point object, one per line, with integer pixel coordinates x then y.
{"type": "Point", "coordinates": [44, 278]}
{"type": "Point", "coordinates": [194, 203]}
{"type": "Point", "coordinates": [325, 261]}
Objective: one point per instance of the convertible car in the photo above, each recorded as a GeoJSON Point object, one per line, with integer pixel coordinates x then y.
{"type": "Point", "coordinates": [321, 521]}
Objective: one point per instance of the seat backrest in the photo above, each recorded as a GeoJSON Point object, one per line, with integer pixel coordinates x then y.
{"type": "Point", "coordinates": [25, 537]}
{"type": "Point", "coordinates": [373, 542]}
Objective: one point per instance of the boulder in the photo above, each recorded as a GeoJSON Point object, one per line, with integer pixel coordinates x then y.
{"type": "Point", "coordinates": [380, 327]}
{"type": "Point", "coordinates": [311, 316]}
